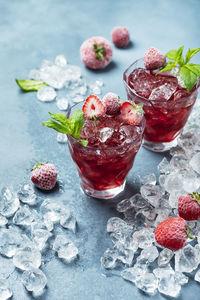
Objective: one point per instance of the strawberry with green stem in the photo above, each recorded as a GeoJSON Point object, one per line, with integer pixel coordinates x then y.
{"type": "Point", "coordinates": [189, 206]}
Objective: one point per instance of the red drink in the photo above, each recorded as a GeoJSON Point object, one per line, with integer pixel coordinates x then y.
{"type": "Point", "coordinates": [109, 155]}
{"type": "Point", "coordinates": [167, 105]}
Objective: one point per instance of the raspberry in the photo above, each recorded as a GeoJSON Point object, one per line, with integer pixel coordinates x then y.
{"type": "Point", "coordinates": [44, 176]}
{"type": "Point", "coordinates": [120, 36]}
{"type": "Point", "coordinates": [112, 104]}
{"type": "Point", "coordinates": [154, 59]}
{"type": "Point", "coordinates": [96, 52]}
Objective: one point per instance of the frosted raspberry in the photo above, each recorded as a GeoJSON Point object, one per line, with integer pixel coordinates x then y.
{"type": "Point", "coordinates": [120, 36]}
{"type": "Point", "coordinates": [154, 59]}
{"type": "Point", "coordinates": [96, 52]}
{"type": "Point", "coordinates": [112, 104]}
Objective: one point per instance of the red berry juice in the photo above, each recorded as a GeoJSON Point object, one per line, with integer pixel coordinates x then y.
{"type": "Point", "coordinates": [166, 104]}
{"type": "Point", "coordinates": [111, 150]}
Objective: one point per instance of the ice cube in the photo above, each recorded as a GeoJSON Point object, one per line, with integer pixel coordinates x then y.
{"type": "Point", "coordinates": [62, 138]}
{"type": "Point", "coordinates": [5, 291]}
{"type": "Point", "coordinates": [40, 237]}
{"type": "Point", "coordinates": [65, 248]}
{"type": "Point", "coordinates": [68, 222]}
{"type": "Point", "coordinates": [24, 216]}
{"type": "Point", "coordinates": [3, 221]}
{"type": "Point", "coordinates": [105, 133]}
{"type": "Point", "coordinates": [165, 256]}
{"type": "Point", "coordinates": [152, 193]}
{"type": "Point", "coordinates": [109, 259]}
{"type": "Point", "coordinates": [114, 224]}
{"type": "Point", "coordinates": [195, 162]}
{"type": "Point", "coordinates": [129, 274]}
{"type": "Point", "coordinates": [179, 162]}
{"type": "Point", "coordinates": [27, 194]}
{"type": "Point", "coordinates": [9, 202]}
{"type": "Point", "coordinates": [124, 205]}
{"type": "Point", "coordinates": [62, 103]}
{"type": "Point", "coordinates": [53, 210]}
{"type": "Point", "coordinates": [10, 241]}
{"type": "Point", "coordinates": [148, 283]}
{"type": "Point", "coordinates": [26, 258]}
{"type": "Point", "coordinates": [34, 74]}
{"type": "Point", "coordinates": [163, 92]}
{"type": "Point", "coordinates": [34, 280]}
{"type": "Point", "coordinates": [149, 179]}
{"type": "Point", "coordinates": [60, 60]}
{"type": "Point", "coordinates": [46, 94]}
{"type": "Point", "coordinates": [180, 278]}
{"type": "Point", "coordinates": [144, 238]}
{"type": "Point", "coordinates": [150, 253]}
{"type": "Point", "coordinates": [123, 235]}
{"type": "Point", "coordinates": [168, 286]}
{"type": "Point", "coordinates": [190, 179]}
{"type": "Point", "coordinates": [186, 259]}
{"type": "Point", "coordinates": [164, 166]}
{"type": "Point", "coordinates": [197, 276]}
{"type": "Point", "coordinates": [95, 88]}
{"type": "Point", "coordinates": [138, 201]}
{"type": "Point", "coordinates": [77, 98]}
{"type": "Point", "coordinates": [174, 182]}
{"type": "Point", "coordinates": [124, 255]}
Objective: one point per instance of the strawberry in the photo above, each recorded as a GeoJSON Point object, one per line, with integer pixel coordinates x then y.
{"type": "Point", "coordinates": [129, 113]}
{"type": "Point", "coordinates": [93, 107]}
{"type": "Point", "coordinates": [172, 233]}
{"type": "Point", "coordinates": [111, 103]}
{"type": "Point", "coordinates": [189, 206]}
{"type": "Point", "coordinates": [44, 175]}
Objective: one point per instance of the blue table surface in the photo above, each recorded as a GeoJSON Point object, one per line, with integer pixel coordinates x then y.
{"type": "Point", "coordinates": [31, 31]}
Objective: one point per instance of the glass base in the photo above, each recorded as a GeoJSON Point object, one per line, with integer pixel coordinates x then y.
{"type": "Point", "coordinates": [159, 147]}
{"type": "Point", "coordinates": [105, 194]}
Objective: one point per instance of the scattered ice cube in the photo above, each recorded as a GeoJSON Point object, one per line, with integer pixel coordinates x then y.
{"type": "Point", "coordinates": [165, 256]}
{"type": "Point", "coordinates": [95, 88]}
{"type": "Point", "coordinates": [27, 194]}
{"type": "Point", "coordinates": [5, 291]}
{"type": "Point", "coordinates": [144, 238]}
{"type": "Point", "coordinates": [138, 201]}
{"type": "Point", "coordinates": [148, 283]}
{"type": "Point", "coordinates": [46, 94]}
{"type": "Point", "coordinates": [9, 202]}
{"type": "Point", "coordinates": [115, 223]}
{"type": "Point", "coordinates": [34, 280]}
{"type": "Point", "coordinates": [24, 216]}
{"type": "Point", "coordinates": [53, 210]}
{"type": "Point", "coordinates": [179, 162]}
{"type": "Point", "coordinates": [109, 259]}
{"type": "Point", "coordinates": [152, 193]}
{"type": "Point", "coordinates": [77, 98]}
{"type": "Point", "coordinates": [60, 60]}
{"type": "Point", "coordinates": [173, 182]}
{"type": "Point", "coordinates": [149, 179]}
{"type": "Point", "coordinates": [195, 162]}
{"type": "Point", "coordinates": [197, 276]}
{"type": "Point", "coordinates": [62, 103]}
{"type": "Point", "coordinates": [65, 248]}
{"type": "Point", "coordinates": [3, 221]}
{"type": "Point", "coordinates": [129, 274]}
{"type": "Point", "coordinates": [124, 205]}
{"type": "Point", "coordinates": [34, 74]}
{"type": "Point", "coordinates": [186, 259]}
{"type": "Point", "coordinates": [26, 258]}
{"type": "Point", "coordinates": [40, 237]}
{"type": "Point", "coordinates": [150, 253]}
{"type": "Point", "coordinates": [62, 138]}
{"type": "Point", "coordinates": [164, 166]}
{"type": "Point", "coordinates": [180, 278]}
{"type": "Point", "coordinates": [68, 222]}
{"type": "Point", "coordinates": [10, 241]}
{"type": "Point", "coordinates": [124, 255]}
{"type": "Point", "coordinates": [168, 286]}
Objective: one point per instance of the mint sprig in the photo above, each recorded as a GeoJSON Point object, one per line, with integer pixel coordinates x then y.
{"type": "Point", "coordinates": [189, 72]}
{"type": "Point", "coordinates": [100, 51]}
{"type": "Point", "coordinates": [30, 85]}
{"type": "Point", "coordinates": [71, 126]}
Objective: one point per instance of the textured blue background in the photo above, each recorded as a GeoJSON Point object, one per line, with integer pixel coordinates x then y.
{"type": "Point", "coordinates": [31, 31]}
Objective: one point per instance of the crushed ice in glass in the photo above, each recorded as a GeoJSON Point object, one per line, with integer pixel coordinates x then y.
{"type": "Point", "coordinates": [156, 268]}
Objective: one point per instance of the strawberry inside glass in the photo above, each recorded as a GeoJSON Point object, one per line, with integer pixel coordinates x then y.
{"type": "Point", "coordinates": [166, 104]}
{"type": "Point", "coordinates": [112, 146]}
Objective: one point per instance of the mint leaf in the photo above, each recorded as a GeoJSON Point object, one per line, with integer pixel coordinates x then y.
{"type": "Point", "coordinates": [190, 54]}
{"type": "Point", "coordinates": [171, 54]}
{"type": "Point", "coordinates": [188, 77]}
{"type": "Point", "coordinates": [167, 67]}
{"type": "Point", "coordinates": [100, 51]}
{"type": "Point", "coordinates": [179, 56]}
{"type": "Point", "coordinates": [30, 85]}
{"type": "Point", "coordinates": [71, 126]}
{"type": "Point", "coordinates": [194, 68]}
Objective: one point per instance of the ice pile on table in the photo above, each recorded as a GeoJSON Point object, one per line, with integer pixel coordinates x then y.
{"type": "Point", "coordinates": [135, 254]}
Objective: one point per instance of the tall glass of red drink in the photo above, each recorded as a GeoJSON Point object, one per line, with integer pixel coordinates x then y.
{"type": "Point", "coordinates": [112, 146]}
{"type": "Point", "coordinates": [166, 104]}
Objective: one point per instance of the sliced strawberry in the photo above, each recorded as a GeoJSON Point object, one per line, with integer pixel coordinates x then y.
{"type": "Point", "coordinates": [129, 113]}
{"type": "Point", "coordinates": [93, 107]}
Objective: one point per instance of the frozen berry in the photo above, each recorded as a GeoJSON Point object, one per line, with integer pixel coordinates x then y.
{"type": "Point", "coordinates": [96, 52]}
{"type": "Point", "coordinates": [154, 59]}
{"type": "Point", "coordinates": [44, 175]}
{"type": "Point", "coordinates": [120, 36]}
{"type": "Point", "coordinates": [112, 104]}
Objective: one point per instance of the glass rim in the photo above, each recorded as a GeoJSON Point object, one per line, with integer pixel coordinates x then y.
{"type": "Point", "coordinates": [146, 99]}
{"type": "Point", "coordinates": [100, 148]}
